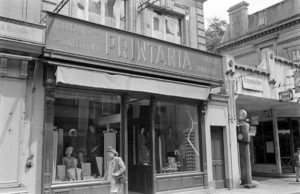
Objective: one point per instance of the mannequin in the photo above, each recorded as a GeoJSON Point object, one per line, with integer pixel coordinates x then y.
{"type": "Point", "coordinates": [74, 173]}
{"type": "Point", "coordinates": [92, 149]}
{"type": "Point", "coordinates": [171, 142]}
{"type": "Point", "coordinates": [68, 159]}
{"type": "Point", "coordinates": [143, 150]}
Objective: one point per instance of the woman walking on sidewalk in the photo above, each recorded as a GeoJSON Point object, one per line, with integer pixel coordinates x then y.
{"type": "Point", "coordinates": [296, 161]}
{"type": "Point", "coordinates": [115, 173]}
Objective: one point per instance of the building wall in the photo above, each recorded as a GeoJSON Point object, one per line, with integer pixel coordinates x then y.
{"type": "Point", "coordinates": [273, 14]}
{"type": "Point", "coordinates": [23, 10]}
{"type": "Point", "coordinates": [21, 134]}
{"type": "Point", "coordinates": [218, 115]}
{"type": "Point", "coordinates": [32, 138]}
{"type": "Point", "coordinates": [284, 42]}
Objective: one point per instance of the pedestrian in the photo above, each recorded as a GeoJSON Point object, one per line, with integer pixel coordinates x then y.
{"type": "Point", "coordinates": [296, 161]}
{"type": "Point", "coordinates": [115, 173]}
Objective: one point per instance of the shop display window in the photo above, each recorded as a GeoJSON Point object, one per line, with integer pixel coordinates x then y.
{"type": "Point", "coordinates": [176, 138]}
{"type": "Point", "coordinates": [263, 144]}
{"type": "Point", "coordinates": [106, 12]}
{"type": "Point", "coordinates": [84, 126]}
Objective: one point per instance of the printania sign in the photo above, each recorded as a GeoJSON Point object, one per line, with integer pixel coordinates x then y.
{"type": "Point", "coordinates": [121, 49]}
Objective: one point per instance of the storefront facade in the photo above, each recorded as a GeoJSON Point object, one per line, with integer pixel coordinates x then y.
{"type": "Point", "coordinates": [269, 97]}
{"type": "Point", "coordinates": [145, 97]}
{"type": "Point", "coordinates": [264, 48]}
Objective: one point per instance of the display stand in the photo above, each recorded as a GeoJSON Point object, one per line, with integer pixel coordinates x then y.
{"type": "Point", "coordinates": [99, 161]}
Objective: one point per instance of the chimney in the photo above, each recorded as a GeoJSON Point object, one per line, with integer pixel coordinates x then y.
{"type": "Point", "coordinates": [238, 19]}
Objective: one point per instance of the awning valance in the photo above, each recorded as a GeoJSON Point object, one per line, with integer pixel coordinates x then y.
{"type": "Point", "coordinates": [97, 79]}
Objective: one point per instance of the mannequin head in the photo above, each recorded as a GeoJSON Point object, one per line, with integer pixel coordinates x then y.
{"type": "Point", "coordinates": [171, 160]}
{"type": "Point", "coordinates": [69, 151]}
{"type": "Point", "coordinates": [75, 163]}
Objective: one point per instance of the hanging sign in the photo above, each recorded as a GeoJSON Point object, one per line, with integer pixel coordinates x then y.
{"type": "Point", "coordinates": [254, 120]}
{"type": "Point", "coordinates": [252, 130]}
{"type": "Point", "coordinates": [297, 81]}
{"type": "Point", "coordinates": [267, 114]}
{"type": "Point", "coordinates": [296, 55]}
{"type": "Point", "coordinates": [286, 96]}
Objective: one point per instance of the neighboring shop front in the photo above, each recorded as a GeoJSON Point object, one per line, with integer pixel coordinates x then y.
{"type": "Point", "coordinates": [145, 97]}
{"type": "Point", "coordinates": [20, 44]}
{"type": "Point", "coordinates": [272, 103]}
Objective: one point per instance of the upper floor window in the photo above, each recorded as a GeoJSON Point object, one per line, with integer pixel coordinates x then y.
{"type": "Point", "coordinates": [163, 20]}
{"type": "Point", "coordinates": [106, 12]}
{"type": "Point", "coordinates": [164, 27]}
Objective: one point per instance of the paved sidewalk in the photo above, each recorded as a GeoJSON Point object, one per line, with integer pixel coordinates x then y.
{"type": "Point", "coordinates": [266, 186]}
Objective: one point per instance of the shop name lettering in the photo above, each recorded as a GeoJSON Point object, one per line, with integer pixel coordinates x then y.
{"type": "Point", "coordinates": [147, 52]}
{"type": "Point", "coordinates": [130, 49]}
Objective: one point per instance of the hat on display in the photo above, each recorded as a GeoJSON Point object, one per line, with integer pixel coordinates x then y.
{"type": "Point", "coordinates": [73, 133]}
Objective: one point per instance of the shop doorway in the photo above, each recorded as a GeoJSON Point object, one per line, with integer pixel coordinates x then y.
{"type": "Point", "coordinates": [218, 163]}
{"type": "Point", "coordinates": [289, 140]}
{"type": "Point", "coordinates": [140, 170]}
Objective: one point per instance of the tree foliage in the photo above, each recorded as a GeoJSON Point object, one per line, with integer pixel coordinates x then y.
{"type": "Point", "coordinates": [214, 33]}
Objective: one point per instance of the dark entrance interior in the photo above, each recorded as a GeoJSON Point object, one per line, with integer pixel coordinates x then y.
{"type": "Point", "coordinates": [140, 172]}
{"type": "Point", "coordinates": [218, 165]}
{"type": "Point", "coordinates": [289, 140]}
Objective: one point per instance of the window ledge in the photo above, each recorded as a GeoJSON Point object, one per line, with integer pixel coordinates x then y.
{"type": "Point", "coordinates": [13, 190]}
{"type": "Point", "coordinates": [178, 174]}
{"type": "Point", "coordinates": [67, 184]}
{"type": "Point", "coordinates": [165, 11]}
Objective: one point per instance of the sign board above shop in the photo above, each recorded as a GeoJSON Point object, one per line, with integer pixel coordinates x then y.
{"type": "Point", "coordinates": [252, 83]}
{"type": "Point", "coordinates": [72, 39]}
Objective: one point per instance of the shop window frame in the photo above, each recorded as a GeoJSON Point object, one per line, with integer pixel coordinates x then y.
{"type": "Point", "coordinates": [68, 92]}
{"type": "Point", "coordinates": [201, 157]}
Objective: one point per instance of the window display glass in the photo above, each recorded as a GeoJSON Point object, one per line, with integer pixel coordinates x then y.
{"type": "Point", "coordinates": [177, 138]}
{"type": "Point", "coordinates": [84, 126]}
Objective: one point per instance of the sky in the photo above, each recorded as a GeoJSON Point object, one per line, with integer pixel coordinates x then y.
{"type": "Point", "coordinates": [219, 8]}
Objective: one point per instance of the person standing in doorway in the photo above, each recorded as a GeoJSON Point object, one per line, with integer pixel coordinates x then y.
{"type": "Point", "coordinates": [115, 173]}
{"type": "Point", "coordinates": [296, 161]}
